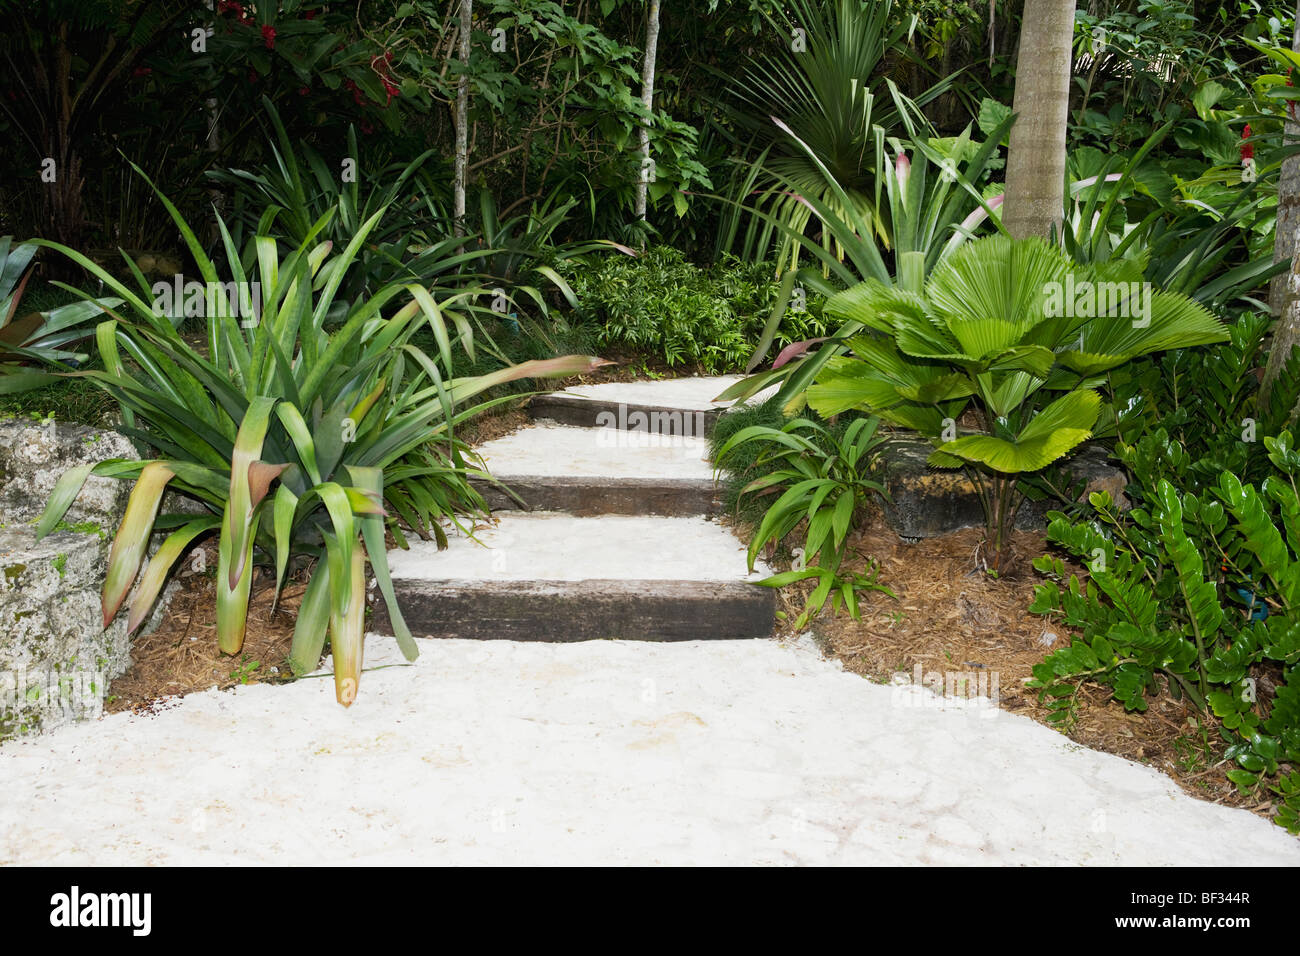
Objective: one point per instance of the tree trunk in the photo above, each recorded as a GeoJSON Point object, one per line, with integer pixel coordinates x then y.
{"type": "Point", "coordinates": [1281, 293]}
{"type": "Point", "coordinates": [647, 98]}
{"type": "Point", "coordinates": [1035, 194]}
{"type": "Point", "coordinates": [461, 168]}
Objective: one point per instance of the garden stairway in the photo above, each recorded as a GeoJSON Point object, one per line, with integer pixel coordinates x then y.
{"type": "Point", "coordinates": [612, 532]}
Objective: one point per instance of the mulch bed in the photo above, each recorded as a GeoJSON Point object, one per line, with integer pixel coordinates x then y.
{"type": "Point", "coordinates": [181, 655]}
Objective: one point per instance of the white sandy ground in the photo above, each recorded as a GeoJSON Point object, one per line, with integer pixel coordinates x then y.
{"type": "Point", "coordinates": [549, 450]}
{"type": "Point", "coordinates": [550, 546]}
{"type": "Point", "coordinates": [736, 752]}
{"type": "Point", "coordinates": [693, 393]}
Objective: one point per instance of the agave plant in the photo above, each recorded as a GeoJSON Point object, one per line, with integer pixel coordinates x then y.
{"type": "Point", "coordinates": [999, 359]}
{"type": "Point", "coordinates": [296, 438]}
{"type": "Point", "coordinates": [37, 338]}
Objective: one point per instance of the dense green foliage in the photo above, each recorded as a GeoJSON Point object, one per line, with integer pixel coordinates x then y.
{"type": "Point", "coordinates": [1199, 589]}
{"type": "Point", "coordinates": [999, 333]}
{"type": "Point", "coordinates": [659, 303]}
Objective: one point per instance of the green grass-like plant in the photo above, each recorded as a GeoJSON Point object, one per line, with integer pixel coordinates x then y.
{"type": "Point", "coordinates": [304, 441]}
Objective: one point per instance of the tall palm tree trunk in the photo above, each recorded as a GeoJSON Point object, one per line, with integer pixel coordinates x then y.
{"type": "Point", "coordinates": [1035, 193]}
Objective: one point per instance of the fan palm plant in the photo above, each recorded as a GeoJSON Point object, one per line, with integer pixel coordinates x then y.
{"type": "Point", "coordinates": [826, 88]}
{"type": "Point", "coordinates": [302, 442]}
{"type": "Point", "coordinates": [932, 205]}
{"type": "Point", "coordinates": [998, 359]}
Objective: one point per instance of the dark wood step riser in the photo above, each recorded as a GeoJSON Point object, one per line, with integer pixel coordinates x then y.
{"type": "Point", "coordinates": [559, 612]}
{"type": "Point", "coordinates": [604, 496]}
{"type": "Point", "coordinates": [592, 413]}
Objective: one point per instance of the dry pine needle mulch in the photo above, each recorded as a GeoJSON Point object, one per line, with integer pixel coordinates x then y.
{"type": "Point", "coordinates": [181, 655]}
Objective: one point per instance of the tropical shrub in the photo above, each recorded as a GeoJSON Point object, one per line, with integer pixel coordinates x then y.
{"type": "Point", "coordinates": [1194, 230]}
{"type": "Point", "coordinates": [933, 205]}
{"type": "Point", "coordinates": [286, 197]}
{"type": "Point", "coordinates": [1140, 65]}
{"type": "Point", "coordinates": [302, 443]}
{"type": "Point", "coordinates": [831, 100]}
{"type": "Point", "coordinates": [660, 303]}
{"type": "Point", "coordinates": [520, 254]}
{"type": "Point", "coordinates": [1208, 401]}
{"type": "Point", "coordinates": [502, 269]}
{"type": "Point", "coordinates": [999, 360]}
{"type": "Point", "coordinates": [1198, 591]}
{"type": "Point", "coordinates": [823, 477]}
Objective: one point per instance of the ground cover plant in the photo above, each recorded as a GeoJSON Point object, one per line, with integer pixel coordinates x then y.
{"type": "Point", "coordinates": [1188, 590]}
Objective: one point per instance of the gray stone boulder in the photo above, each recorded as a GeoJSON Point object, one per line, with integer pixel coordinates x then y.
{"type": "Point", "coordinates": [56, 657]}
{"type": "Point", "coordinates": [927, 502]}
{"type": "Point", "coordinates": [33, 456]}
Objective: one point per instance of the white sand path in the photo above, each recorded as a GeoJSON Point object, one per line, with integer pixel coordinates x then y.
{"type": "Point", "coordinates": [723, 752]}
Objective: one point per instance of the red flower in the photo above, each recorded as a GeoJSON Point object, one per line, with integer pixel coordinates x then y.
{"type": "Point", "coordinates": [309, 15]}
{"type": "Point", "coordinates": [356, 92]}
{"type": "Point", "coordinates": [268, 34]}
{"type": "Point", "coordinates": [366, 128]}
{"type": "Point", "coordinates": [142, 71]}
{"type": "Point", "coordinates": [382, 65]}
{"type": "Point", "coordinates": [303, 91]}
{"type": "Point", "coordinates": [252, 75]}
{"type": "Point", "coordinates": [1247, 149]}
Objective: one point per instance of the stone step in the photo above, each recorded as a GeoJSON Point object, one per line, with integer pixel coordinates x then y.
{"type": "Point", "coordinates": [594, 471]}
{"type": "Point", "coordinates": [556, 577]}
{"type": "Point", "coordinates": [681, 406]}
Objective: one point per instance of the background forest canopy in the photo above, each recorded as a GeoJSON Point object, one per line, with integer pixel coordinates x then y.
{"type": "Point", "coordinates": [555, 105]}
